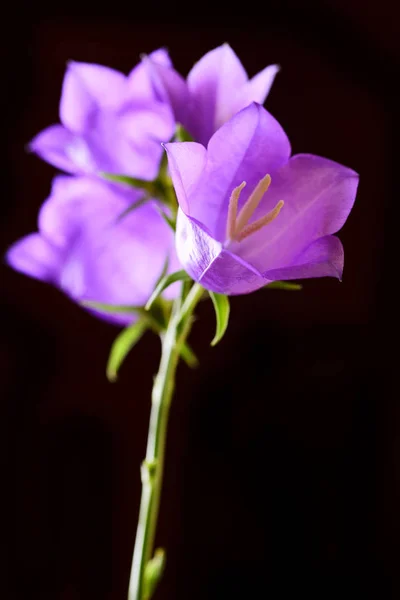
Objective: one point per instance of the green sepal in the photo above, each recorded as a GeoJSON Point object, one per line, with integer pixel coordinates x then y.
{"type": "Point", "coordinates": [222, 310]}
{"type": "Point", "coordinates": [182, 135]}
{"type": "Point", "coordinates": [150, 187]}
{"type": "Point", "coordinates": [170, 222]}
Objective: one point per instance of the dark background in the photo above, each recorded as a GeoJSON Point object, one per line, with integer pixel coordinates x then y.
{"type": "Point", "coordinates": [283, 474]}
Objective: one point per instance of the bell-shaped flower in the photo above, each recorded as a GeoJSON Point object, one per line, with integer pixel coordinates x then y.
{"type": "Point", "coordinates": [216, 88]}
{"type": "Point", "coordinates": [109, 122]}
{"type": "Point", "coordinates": [250, 213]}
{"type": "Point", "coordinates": [93, 249]}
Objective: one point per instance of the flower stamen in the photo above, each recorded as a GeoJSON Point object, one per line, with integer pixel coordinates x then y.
{"type": "Point", "coordinates": [232, 211]}
{"type": "Point", "coordinates": [237, 226]}
{"type": "Point", "coordinates": [260, 223]}
{"type": "Point", "coordinates": [252, 203]}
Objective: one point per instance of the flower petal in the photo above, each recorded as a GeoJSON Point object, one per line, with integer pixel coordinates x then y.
{"type": "Point", "coordinates": [209, 264]}
{"type": "Point", "coordinates": [244, 149]}
{"type": "Point", "coordinates": [318, 195]}
{"type": "Point", "coordinates": [34, 256]}
{"type": "Point", "coordinates": [170, 87]}
{"type": "Point", "coordinates": [116, 148]}
{"type": "Point", "coordinates": [76, 203]}
{"type": "Point", "coordinates": [63, 149]}
{"type": "Point", "coordinates": [212, 82]}
{"type": "Point", "coordinates": [254, 90]}
{"type": "Point", "coordinates": [124, 258]}
{"type": "Point", "coordinates": [86, 88]}
{"type": "Point", "coordinates": [323, 258]}
{"type": "Point", "coordinates": [139, 84]}
{"type": "Point", "coordinates": [186, 162]}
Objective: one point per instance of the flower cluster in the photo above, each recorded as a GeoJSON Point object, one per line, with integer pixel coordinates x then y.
{"type": "Point", "coordinates": [247, 213]}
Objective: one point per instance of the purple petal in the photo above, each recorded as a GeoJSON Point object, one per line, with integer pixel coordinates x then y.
{"type": "Point", "coordinates": [140, 86]}
{"type": "Point", "coordinates": [254, 90]}
{"type": "Point", "coordinates": [86, 88]}
{"type": "Point", "coordinates": [77, 203]}
{"type": "Point", "coordinates": [186, 162]}
{"type": "Point", "coordinates": [63, 149]}
{"type": "Point", "coordinates": [119, 143]}
{"type": "Point", "coordinates": [212, 82]}
{"type": "Point", "coordinates": [318, 195]}
{"type": "Point", "coordinates": [171, 88]}
{"type": "Point", "coordinates": [245, 148]}
{"type": "Point", "coordinates": [209, 264]}
{"type": "Point", "coordinates": [124, 258]}
{"type": "Point", "coordinates": [34, 256]}
{"type": "Point", "coordinates": [323, 258]}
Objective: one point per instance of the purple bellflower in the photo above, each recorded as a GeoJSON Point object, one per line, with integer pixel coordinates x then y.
{"type": "Point", "coordinates": [250, 213]}
{"type": "Point", "coordinates": [90, 249]}
{"type": "Point", "coordinates": [109, 122]}
{"type": "Point", "coordinates": [216, 88]}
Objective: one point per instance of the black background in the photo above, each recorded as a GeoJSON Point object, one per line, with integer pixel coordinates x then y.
{"type": "Point", "coordinates": [283, 474]}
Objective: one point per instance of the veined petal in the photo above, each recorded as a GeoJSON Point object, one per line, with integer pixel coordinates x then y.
{"type": "Point", "coordinates": [247, 147]}
{"type": "Point", "coordinates": [318, 195]}
{"type": "Point", "coordinates": [323, 258]}
{"type": "Point", "coordinates": [209, 264]}
{"type": "Point", "coordinates": [212, 82]}
{"type": "Point", "coordinates": [86, 88]}
{"type": "Point", "coordinates": [36, 257]}
{"type": "Point", "coordinates": [63, 149]}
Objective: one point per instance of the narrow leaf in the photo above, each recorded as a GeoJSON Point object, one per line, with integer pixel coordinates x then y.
{"type": "Point", "coordinates": [284, 285]}
{"type": "Point", "coordinates": [152, 573]}
{"type": "Point", "coordinates": [189, 356]}
{"type": "Point", "coordinates": [122, 345]}
{"type": "Point", "coordinates": [164, 283]}
{"type": "Point", "coordinates": [222, 309]}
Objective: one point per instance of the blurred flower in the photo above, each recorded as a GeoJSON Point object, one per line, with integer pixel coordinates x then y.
{"type": "Point", "coordinates": [251, 214]}
{"type": "Point", "coordinates": [216, 89]}
{"type": "Point", "coordinates": [92, 249]}
{"type": "Point", "coordinates": [110, 122]}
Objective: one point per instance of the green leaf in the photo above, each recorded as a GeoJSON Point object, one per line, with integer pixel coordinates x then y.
{"type": "Point", "coordinates": [122, 345]}
{"type": "Point", "coordinates": [164, 283]}
{"type": "Point", "coordinates": [152, 573]}
{"type": "Point", "coordinates": [284, 285]}
{"type": "Point", "coordinates": [112, 308]}
{"type": "Point", "coordinates": [222, 309]}
{"type": "Point", "coordinates": [181, 135]}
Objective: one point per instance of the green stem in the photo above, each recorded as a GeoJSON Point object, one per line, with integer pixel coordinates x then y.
{"type": "Point", "coordinates": [152, 467]}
